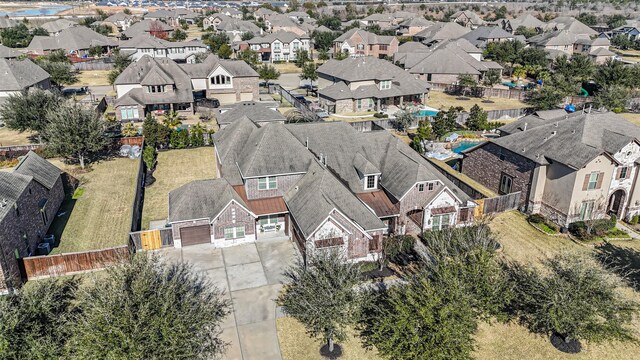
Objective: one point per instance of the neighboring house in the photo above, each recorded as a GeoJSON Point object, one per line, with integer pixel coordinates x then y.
{"type": "Point", "coordinates": [19, 75]}
{"type": "Point", "coordinates": [569, 167]}
{"type": "Point", "coordinates": [30, 196]}
{"type": "Point", "coordinates": [229, 81]}
{"type": "Point", "coordinates": [483, 35]}
{"type": "Point", "coordinates": [263, 13]}
{"type": "Point", "coordinates": [440, 31]}
{"type": "Point", "coordinates": [631, 31]}
{"type": "Point", "coordinates": [173, 17]}
{"type": "Point", "coordinates": [367, 84]}
{"type": "Point", "coordinates": [6, 23]}
{"type": "Point", "coordinates": [447, 61]}
{"type": "Point", "coordinates": [413, 26]}
{"type": "Point", "coordinates": [526, 21]}
{"type": "Point", "coordinates": [233, 13]}
{"type": "Point", "coordinates": [597, 49]}
{"type": "Point", "coordinates": [55, 27]}
{"type": "Point", "coordinates": [279, 46]}
{"type": "Point", "coordinates": [8, 53]}
{"type": "Point", "coordinates": [356, 43]}
{"type": "Point", "coordinates": [259, 113]}
{"type": "Point", "coordinates": [75, 40]}
{"type": "Point", "coordinates": [232, 27]}
{"type": "Point", "coordinates": [467, 19]}
{"type": "Point", "coordinates": [563, 42]}
{"type": "Point", "coordinates": [570, 25]}
{"type": "Point", "coordinates": [320, 184]}
{"type": "Point", "coordinates": [283, 22]}
{"type": "Point", "coordinates": [181, 52]}
{"type": "Point", "coordinates": [148, 27]}
{"type": "Point", "coordinates": [120, 21]}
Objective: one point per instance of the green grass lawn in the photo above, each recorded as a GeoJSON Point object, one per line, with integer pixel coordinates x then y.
{"type": "Point", "coordinates": [100, 215]}
{"type": "Point", "coordinates": [175, 168]}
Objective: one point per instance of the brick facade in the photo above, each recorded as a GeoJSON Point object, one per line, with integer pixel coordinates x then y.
{"type": "Point", "coordinates": [27, 219]}
{"type": "Point", "coordinates": [488, 163]}
{"type": "Point", "coordinates": [284, 183]}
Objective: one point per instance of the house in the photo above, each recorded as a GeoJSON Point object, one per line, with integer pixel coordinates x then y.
{"type": "Point", "coordinates": [571, 25]}
{"type": "Point", "coordinates": [482, 35]}
{"type": "Point", "coordinates": [8, 53]}
{"type": "Point", "coordinates": [631, 30]}
{"type": "Point", "coordinates": [467, 19]}
{"type": "Point", "coordinates": [181, 52]}
{"type": "Point", "coordinates": [597, 49]}
{"type": "Point", "coordinates": [173, 17]}
{"type": "Point", "coordinates": [367, 84]}
{"type": "Point", "coordinates": [526, 21]}
{"type": "Point", "coordinates": [233, 13]}
{"type": "Point", "coordinates": [55, 27]}
{"type": "Point", "coordinates": [279, 46]}
{"type": "Point", "coordinates": [75, 40]}
{"type": "Point", "coordinates": [282, 22]}
{"type": "Point", "coordinates": [413, 26]}
{"type": "Point", "coordinates": [440, 31]}
{"type": "Point", "coordinates": [233, 27]}
{"type": "Point", "coordinates": [569, 167]}
{"type": "Point", "coordinates": [258, 112]}
{"type": "Point", "coordinates": [263, 13]}
{"type": "Point", "coordinates": [563, 42]}
{"type": "Point", "coordinates": [6, 22]}
{"type": "Point", "coordinates": [30, 196]}
{"type": "Point", "coordinates": [319, 184]}
{"type": "Point", "coordinates": [20, 75]}
{"type": "Point", "coordinates": [356, 42]}
{"type": "Point", "coordinates": [120, 21]}
{"type": "Point", "coordinates": [148, 27]}
{"type": "Point", "coordinates": [445, 62]}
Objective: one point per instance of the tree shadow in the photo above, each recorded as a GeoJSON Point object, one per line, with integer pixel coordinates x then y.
{"type": "Point", "coordinates": [623, 261]}
{"type": "Point", "coordinates": [62, 218]}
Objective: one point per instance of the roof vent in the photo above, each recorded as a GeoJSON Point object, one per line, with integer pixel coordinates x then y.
{"type": "Point", "coordinates": [3, 203]}
{"type": "Point", "coordinates": [525, 126]}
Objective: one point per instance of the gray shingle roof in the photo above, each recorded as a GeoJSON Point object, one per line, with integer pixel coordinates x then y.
{"type": "Point", "coordinates": [8, 53]}
{"type": "Point", "coordinates": [5, 22]}
{"type": "Point", "coordinates": [201, 199]}
{"type": "Point", "coordinates": [237, 68]}
{"type": "Point", "coordinates": [11, 188]}
{"type": "Point", "coordinates": [40, 169]}
{"type": "Point", "coordinates": [315, 196]}
{"type": "Point", "coordinates": [480, 35]}
{"type": "Point", "coordinates": [571, 25]}
{"type": "Point", "coordinates": [527, 21]}
{"type": "Point", "coordinates": [442, 31]}
{"type": "Point", "coordinates": [143, 27]}
{"type": "Point", "coordinates": [146, 41]}
{"type": "Point", "coordinates": [368, 37]}
{"type": "Point", "coordinates": [257, 112]}
{"type": "Point", "coordinates": [472, 16]}
{"type": "Point", "coordinates": [58, 25]}
{"type": "Point", "coordinates": [20, 74]}
{"type": "Point", "coordinates": [73, 38]}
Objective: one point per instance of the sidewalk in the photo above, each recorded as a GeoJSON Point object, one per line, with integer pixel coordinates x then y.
{"type": "Point", "coordinates": [634, 235]}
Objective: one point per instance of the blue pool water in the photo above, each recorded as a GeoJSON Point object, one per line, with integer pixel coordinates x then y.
{"type": "Point", "coordinates": [427, 113]}
{"type": "Point", "coordinates": [44, 10]}
{"type": "Point", "coordinates": [464, 145]}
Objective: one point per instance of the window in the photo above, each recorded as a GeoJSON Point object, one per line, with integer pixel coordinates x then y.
{"type": "Point", "coordinates": [505, 184]}
{"type": "Point", "coordinates": [360, 46]}
{"type": "Point", "coordinates": [155, 88]}
{"type": "Point", "coordinates": [421, 187]}
{"type": "Point", "coordinates": [593, 181]}
{"type": "Point", "coordinates": [428, 77]}
{"type": "Point", "coordinates": [267, 183]}
{"type": "Point", "coordinates": [324, 243]}
{"type": "Point", "coordinates": [439, 222]}
{"type": "Point", "coordinates": [129, 113]}
{"type": "Point", "coordinates": [234, 232]}
{"type": "Point", "coordinates": [586, 209]}
{"type": "Point", "coordinates": [182, 107]}
{"type": "Point", "coordinates": [623, 172]}
{"type": "Point", "coordinates": [430, 186]}
{"type": "Point", "coordinates": [385, 85]}
{"type": "Point", "coordinates": [383, 47]}
{"type": "Point", "coordinates": [269, 219]}
{"type": "Point", "coordinates": [221, 80]}
{"type": "Point", "coordinates": [371, 182]}
{"type": "Point", "coordinates": [43, 214]}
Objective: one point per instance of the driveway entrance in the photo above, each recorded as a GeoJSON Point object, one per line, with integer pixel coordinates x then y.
{"type": "Point", "coordinates": [251, 276]}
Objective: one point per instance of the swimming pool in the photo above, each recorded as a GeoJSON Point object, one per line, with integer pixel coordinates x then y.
{"type": "Point", "coordinates": [464, 145]}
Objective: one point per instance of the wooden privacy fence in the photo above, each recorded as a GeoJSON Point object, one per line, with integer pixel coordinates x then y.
{"type": "Point", "coordinates": [302, 107]}
{"type": "Point", "coordinates": [498, 204]}
{"type": "Point", "coordinates": [514, 94]}
{"type": "Point", "coordinates": [40, 267]}
{"type": "Point", "coordinates": [152, 239]}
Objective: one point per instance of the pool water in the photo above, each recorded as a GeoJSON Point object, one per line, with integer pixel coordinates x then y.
{"type": "Point", "coordinates": [427, 113]}
{"type": "Point", "coordinates": [464, 145]}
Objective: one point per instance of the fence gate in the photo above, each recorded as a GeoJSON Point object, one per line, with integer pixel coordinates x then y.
{"type": "Point", "coordinates": [501, 203]}
{"type": "Point", "coordinates": [151, 239]}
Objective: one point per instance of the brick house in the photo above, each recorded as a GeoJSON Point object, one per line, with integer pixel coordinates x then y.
{"type": "Point", "coordinates": [467, 18]}
{"type": "Point", "coordinates": [568, 167]}
{"type": "Point", "coordinates": [30, 196]}
{"type": "Point", "coordinates": [319, 184]}
{"type": "Point", "coordinates": [356, 43]}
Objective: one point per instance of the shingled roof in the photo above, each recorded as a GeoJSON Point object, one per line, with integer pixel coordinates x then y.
{"type": "Point", "coordinates": [442, 31]}
{"type": "Point", "coordinates": [257, 112]}
{"type": "Point", "coordinates": [40, 169]}
{"type": "Point", "coordinates": [201, 199]}
{"type": "Point", "coordinates": [18, 75]}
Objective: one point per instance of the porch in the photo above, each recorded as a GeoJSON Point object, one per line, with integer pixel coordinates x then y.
{"type": "Point", "coordinates": [272, 227]}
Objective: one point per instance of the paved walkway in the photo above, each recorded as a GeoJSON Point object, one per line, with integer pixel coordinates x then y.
{"type": "Point", "coordinates": [251, 276]}
{"type": "Point", "coordinates": [629, 230]}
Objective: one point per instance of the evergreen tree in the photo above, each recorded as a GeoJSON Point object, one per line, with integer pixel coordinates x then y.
{"type": "Point", "coordinates": [477, 119]}
{"type": "Point", "coordinates": [27, 110]}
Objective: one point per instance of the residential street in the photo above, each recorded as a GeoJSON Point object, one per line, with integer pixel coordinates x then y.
{"type": "Point", "coordinates": [251, 276]}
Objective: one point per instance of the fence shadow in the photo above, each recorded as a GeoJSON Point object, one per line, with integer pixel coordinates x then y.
{"type": "Point", "coordinates": [621, 260]}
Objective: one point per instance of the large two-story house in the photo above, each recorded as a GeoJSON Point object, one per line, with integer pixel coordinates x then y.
{"type": "Point", "coordinates": [367, 84]}
{"type": "Point", "coordinates": [30, 196]}
{"type": "Point", "coordinates": [568, 167]}
{"type": "Point", "coordinates": [322, 185]}
{"type": "Point", "coordinates": [278, 46]}
{"type": "Point", "coordinates": [356, 42]}
{"type": "Point", "coordinates": [178, 51]}
{"type": "Point", "coordinates": [467, 19]}
{"type": "Point", "coordinates": [20, 75]}
{"type": "Point", "coordinates": [76, 40]}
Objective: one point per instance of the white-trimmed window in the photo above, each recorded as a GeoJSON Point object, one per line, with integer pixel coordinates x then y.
{"type": "Point", "coordinates": [385, 85]}
{"type": "Point", "coordinates": [439, 222]}
{"type": "Point", "coordinates": [268, 220]}
{"type": "Point", "coordinates": [586, 209]}
{"type": "Point", "coordinates": [234, 232]}
{"type": "Point", "coordinates": [593, 181]}
{"type": "Point", "coordinates": [267, 183]}
{"type": "Point", "coordinates": [370, 182]}
{"type": "Point", "coordinates": [421, 187]}
{"type": "Point", "coordinates": [129, 113]}
{"type": "Point", "coordinates": [221, 80]}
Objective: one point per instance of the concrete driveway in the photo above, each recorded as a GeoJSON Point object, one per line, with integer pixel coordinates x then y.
{"type": "Point", "coordinates": [251, 276]}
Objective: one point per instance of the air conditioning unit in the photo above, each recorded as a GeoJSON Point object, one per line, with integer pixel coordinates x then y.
{"type": "Point", "coordinates": [44, 248]}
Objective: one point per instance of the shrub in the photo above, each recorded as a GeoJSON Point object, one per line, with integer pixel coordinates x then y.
{"type": "Point", "coordinates": [634, 219]}
{"type": "Point", "coordinates": [536, 218]}
{"type": "Point", "coordinates": [380, 115]}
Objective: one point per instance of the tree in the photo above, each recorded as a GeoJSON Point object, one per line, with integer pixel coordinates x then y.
{"type": "Point", "coordinates": [215, 41]}
{"type": "Point", "coordinates": [302, 58]}
{"type": "Point", "coordinates": [267, 73]}
{"type": "Point", "coordinates": [60, 73]}
{"type": "Point", "coordinates": [309, 72]}
{"type": "Point", "coordinates": [613, 98]}
{"type": "Point", "coordinates": [75, 132]}
{"type": "Point", "coordinates": [171, 120]}
{"type": "Point", "coordinates": [322, 295]}
{"type": "Point", "coordinates": [129, 130]}
{"type": "Point", "coordinates": [439, 125]}
{"type": "Point", "coordinates": [323, 55]}
{"type": "Point", "coordinates": [17, 36]}
{"type": "Point", "coordinates": [196, 135]}
{"type": "Point", "coordinates": [533, 57]}
{"type": "Point", "coordinates": [466, 81]}
{"type": "Point", "coordinates": [545, 98]}
{"type": "Point", "coordinates": [102, 29]}
{"type": "Point", "coordinates": [587, 19]}
{"type": "Point", "coordinates": [149, 157]}
{"type": "Point", "coordinates": [424, 130]}
{"type": "Point", "coordinates": [491, 78]}
{"type": "Point", "coordinates": [403, 119]}
{"type": "Point", "coordinates": [224, 51]}
{"type": "Point", "coordinates": [519, 73]}
{"type": "Point", "coordinates": [526, 32]}
{"type": "Point", "coordinates": [120, 62]}
{"type": "Point", "coordinates": [477, 119]}
{"type": "Point", "coordinates": [178, 35]}
{"type": "Point", "coordinates": [451, 119]}
{"type": "Point", "coordinates": [156, 29]}
{"type": "Point", "coordinates": [323, 40]}
{"type": "Point", "coordinates": [150, 308]}
{"type": "Point", "coordinates": [34, 322]}
{"type": "Point", "coordinates": [96, 51]}
{"type": "Point", "coordinates": [39, 31]}
{"type": "Point", "coordinates": [247, 36]}
{"type": "Point", "coordinates": [249, 56]}
{"type": "Point", "coordinates": [27, 110]}
{"type": "Point", "coordinates": [612, 72]}
{"type": "Point", "coordinates": [150, 128]}
{"type": "Point", "coordinates": [574, 298]}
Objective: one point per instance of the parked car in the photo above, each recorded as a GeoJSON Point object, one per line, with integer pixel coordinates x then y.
{"type": "Point", "coordinates": [322, 113]}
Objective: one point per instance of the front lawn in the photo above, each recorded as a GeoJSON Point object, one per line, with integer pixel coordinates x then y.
{"type": "Point", "coordinates": [443, 101]}
{"type": "Point", "coordinates": [175, 168]}
{"type": "Point", "coordinates": [100, 215]}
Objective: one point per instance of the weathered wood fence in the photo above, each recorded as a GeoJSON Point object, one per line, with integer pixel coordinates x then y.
{"type": "Point", "coordinates": [93, 64]}
{"type": "Point", "coordinates": [151, 239]}
{"type": "Point", "coordinates": [515, 94]}
{"type": "Point", "coordinates": [499, 204]}
{"type": "Point", "coordinates": [15, 151]}
{"type": "Point", "coordinates": [39, 267]}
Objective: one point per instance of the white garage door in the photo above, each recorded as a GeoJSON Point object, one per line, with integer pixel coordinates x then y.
{"type": "Point", "coordinates": [225, 98]}
{"type": "Point", "coordinates": [246, 96]}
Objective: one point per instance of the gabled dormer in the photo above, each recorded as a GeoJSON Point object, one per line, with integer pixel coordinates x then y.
{"type": "Point", "coordinates": [369, 174]}
{"type": "Point", "coordinates": [157, 81]}
{"type": "Point", "coordinates": [384, 84]}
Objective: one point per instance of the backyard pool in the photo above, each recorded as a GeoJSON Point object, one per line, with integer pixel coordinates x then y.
{"type": "Point", "coordinates": [425, 112]}
{"type": "Point", "coordinates": [464, 145]}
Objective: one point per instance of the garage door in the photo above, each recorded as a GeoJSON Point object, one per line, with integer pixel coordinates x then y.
{"type": "Point", "coordinates": [193, 235]}
{"type": "Point", "coordinates": [226, 98]}
{"type": "Point", "coordinates": [247, 96]}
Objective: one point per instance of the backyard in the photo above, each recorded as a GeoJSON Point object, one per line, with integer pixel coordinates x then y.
{"type": "Point", "coordinates": [443, 101]}
{"type": "Point", "coordinates": [92, 78]}
{"type": "Point", "coordinates": [10, 137]}
{"type": "Point", "coordinates": [99, 214]}
{"type": "Point", "coordinates": [174, 169]}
